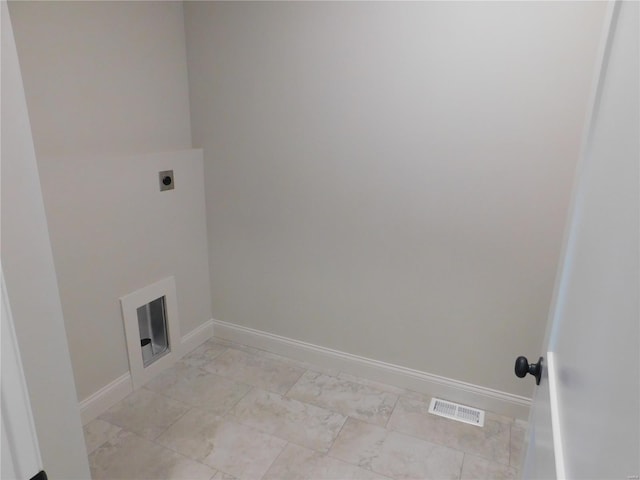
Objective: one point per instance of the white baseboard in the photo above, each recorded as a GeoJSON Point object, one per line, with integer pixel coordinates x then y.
{"type": "Point", "coordinates": [105, 398]}
{"type": "Point", "coordinates": [100, 401]}
{"type": "Point", "coordinates": [196, 337]}
{"type": "Point", "coordinates": [495, 401]}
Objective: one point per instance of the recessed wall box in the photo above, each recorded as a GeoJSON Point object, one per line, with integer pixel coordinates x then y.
{"type": "Point", "coordinates": [152, 329]}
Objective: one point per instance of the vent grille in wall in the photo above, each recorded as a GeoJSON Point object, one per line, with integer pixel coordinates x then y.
{"type": "Point", "coordinates": [454, 411]}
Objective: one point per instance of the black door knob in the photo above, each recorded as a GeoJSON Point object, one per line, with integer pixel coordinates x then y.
{"type": "Point", "coordinates": [523, 367]}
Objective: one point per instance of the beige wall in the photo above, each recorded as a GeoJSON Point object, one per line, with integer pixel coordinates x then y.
{"type": "Point", "coordinates": [123, 235]}
{"type": "Point", "coordinates": [104, 81]}
{"type": "Point", "coordinates": [27, 264]}
{"type": "Point", "coordinates": [386, 179]}
{"type": "Point", "coordinates": [391, 179]}
{"type": "Point", "coordinates": [104, 77]}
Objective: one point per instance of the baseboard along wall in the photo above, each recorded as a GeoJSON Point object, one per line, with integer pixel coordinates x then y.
{"type": "Point", "coordinates": [100, 401]}
{"type": "Point", "coordinates": [502, 403]}
{"type": "Point", "coordinates": [496, 401]}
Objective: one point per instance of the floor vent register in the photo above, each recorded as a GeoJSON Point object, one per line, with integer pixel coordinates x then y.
{"type": "Point", "coordinates": [454, 411]}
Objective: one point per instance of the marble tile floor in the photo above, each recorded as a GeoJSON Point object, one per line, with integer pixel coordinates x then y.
{"type": "Point", "coordinates": [227, 411]}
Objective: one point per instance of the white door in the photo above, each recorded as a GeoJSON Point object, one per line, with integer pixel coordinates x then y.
{"type": "Point", "coordinates": [20, 455]}
{"type": "Point", "coordinates": [585, 420]}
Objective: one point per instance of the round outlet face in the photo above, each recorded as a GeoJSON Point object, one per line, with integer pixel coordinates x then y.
{"type": "Point", "coordinates": [166, 180]}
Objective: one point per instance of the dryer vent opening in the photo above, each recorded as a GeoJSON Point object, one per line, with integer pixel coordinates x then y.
{"type": "Point", "coordinates": [152, 325]}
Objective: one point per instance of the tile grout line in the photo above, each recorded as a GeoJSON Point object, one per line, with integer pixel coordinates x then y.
{"type": "Point", "coordinates": [275, 435]}
{"type": "Point", "coordinates": [368, 468]}
{"type": "Point", "coordinates": [331, 409]}
{"type": "Point", "coordinates": [454, 448]}
{"type": "Point", "coordinates": [172, 424]}
{"type": "Point", "coordinates": [275, 459]}
{"type": "Point", "coordinates": [235, 404]}
{"type": "Point", "coordinates": [241, 422]}
{"type": "Point", "coordinates": [464, 457]}
{"type": "Point", "coordinates": [345, 461]}
{"type": "Point", "coordinates": [153, 441]}
{"type": "Point", "coordinates": [199, 407]}
{"type": "Point", "coordinates": [391, 414]}
{"type": "Point", "coordinates": [509, 446]}
{"type": "Point", "coordinates": [464, 454]}
{"type": "Point", "coordinates": [167, 447]}
{"type": "Point", "coordinates": [295, 383]}
{"type": "Point", "coordinates": [266, 388]}
{"type": "Point", "coordinates": [230, 415]}
{"type": "Point", "coordinates": [437, 444]}
{"type": "Point", "coordinates": [215, 469]}
{"type": "Point", "coordinates": [189, 407]}
{"type": "Point", "coordinates": [346, 418]}
{"type": "Point", "coordinates": [102, 444]}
